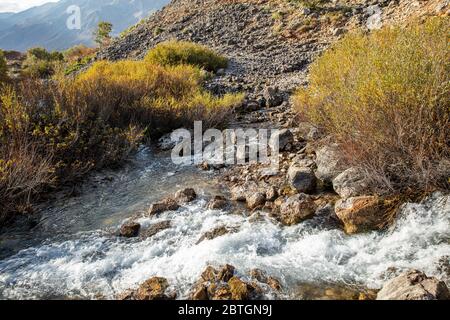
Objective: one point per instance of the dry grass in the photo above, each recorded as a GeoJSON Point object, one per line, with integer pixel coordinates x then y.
{"type": "Point", "coordinates": [385, 99]}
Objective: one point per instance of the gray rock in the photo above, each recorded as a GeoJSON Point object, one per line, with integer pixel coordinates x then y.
{"type": "Point", "coordinates": [329, 164]}
{"type": "Point", "coordinates": [350, 183]}
{"type": "Point", "coordinates": [156, 228]}
{"type": "Point", "coordinates": [130, 230]}
{"type": "Point", "coordinates": [285, 138]}
{"type": "Point", "coordinates": [302, 179]}
{"type": "Point", "coordinates": [163, 206]}
{"type": "Point", "coordinates": [414, 285]}
{"type": "Point", "coordinates": [273, 97]}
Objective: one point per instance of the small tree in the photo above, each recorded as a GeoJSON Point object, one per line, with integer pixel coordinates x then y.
{"type": "Point", "coordinates": [3, 68]}
{"type": "Point", "coordinates": [102, 35]}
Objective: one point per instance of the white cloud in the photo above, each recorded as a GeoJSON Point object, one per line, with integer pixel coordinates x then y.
{"type": "Point", "coordinates": [20, 5]}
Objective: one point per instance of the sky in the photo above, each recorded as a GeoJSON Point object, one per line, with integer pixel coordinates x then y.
{"type": "Point", "coordinates": [20, 5]}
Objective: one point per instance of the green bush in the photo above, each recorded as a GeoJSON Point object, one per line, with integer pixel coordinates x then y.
{"type": "Point", "coordinates": [172, 53]}
{"type": "Point", "coordinates": [385, 98]}
{"type": "Point", "coordinates": [41, 63]}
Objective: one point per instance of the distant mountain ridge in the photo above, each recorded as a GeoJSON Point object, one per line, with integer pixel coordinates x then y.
{"type": "Point", "coordinates": [45, 25]}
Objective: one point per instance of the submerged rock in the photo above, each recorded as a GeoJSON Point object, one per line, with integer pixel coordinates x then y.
{"type": "Point", "coordinates": [130, 230]}
{"type": "Point", "coordinates": [414, 285]}
{"type": "Point", "coordinates": [167, 204]}
{"type": "Point", "coordinates": [297, 209]}
{"type": "Point", "coordinates": [156, 228]}
{"type": "Point", "coordinates": [216, 233]}
{"type": "Point", "coordinates": [262, 277]}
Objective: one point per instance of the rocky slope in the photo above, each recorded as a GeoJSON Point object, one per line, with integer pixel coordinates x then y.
{"type": "Point", "coordinates": [269, 42]}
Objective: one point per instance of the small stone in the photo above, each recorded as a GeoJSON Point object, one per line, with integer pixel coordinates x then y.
{"type": "Point", "coordinates": [271, 194]}
{"type": "Point", "coordinates": [226, 273]}
{"type": "Point", "coordinates": [285, 139]}
{"type": "Point", "coordinates": [238, 193]}
{"type": "Point", "coordinates": [200, 293]}
{"type": "Point", "coordinates": [156, 228]}
{"type": "Point", "coordinates": [350, 183]}
{"type": "Point", "coordinates": [239, 289]}
{"type": "Point", "coordinates": [153, 289]}
{"type": "Point", "coordinates": [273, 97]}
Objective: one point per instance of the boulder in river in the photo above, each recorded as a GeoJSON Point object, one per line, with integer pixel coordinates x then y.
{"type": "Point", "coordinates": [414, 285]}
{"type": "Point", "coordinates": [185, 196]}
{"type": "Point", "coordinates": [154, 289]}
{"type": "Point", "coordinates": [156, 228]}
{"type": "Point", "coordinates": [130, 230]}
{"type": "Point", "coordinates": [360, 214]}
{"type": "Point", "coordinates": [217, 203]}
{"type": "Point", "coordinates": [167, 204]}
{"type": "Point", "coordinates": [256, 200]}
{"type": "Point", "coordinates": [296, 209]}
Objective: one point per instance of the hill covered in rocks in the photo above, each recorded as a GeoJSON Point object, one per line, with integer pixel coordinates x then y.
{"type": "Point", "coordinates": [269, 42]}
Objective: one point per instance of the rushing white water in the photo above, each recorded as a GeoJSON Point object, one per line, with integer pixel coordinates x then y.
{"type": "Point", "coordinates": [96, 264]}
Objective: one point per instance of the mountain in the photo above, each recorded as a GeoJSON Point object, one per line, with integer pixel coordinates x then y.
{"type": "Point", "coordinates": [46, 25]}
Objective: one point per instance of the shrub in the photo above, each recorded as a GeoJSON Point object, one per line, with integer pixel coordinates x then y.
{"type": "Point", "coordinates": [42, 64]}
{"type": "Point", "coordinates": [385, 99]}
{"type": "Point", "coordinates": [173, 53]}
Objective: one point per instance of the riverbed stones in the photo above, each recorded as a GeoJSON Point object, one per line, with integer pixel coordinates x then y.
{"type": "Point", "coordinates": [154, 289]}
{"type": "Point", "coordinates": [360, 214]}
{"type": "Point", "coordinates": [185, 196]}
{"type": "Point", "coordinates": [296, 209]}
{"type": "Point", "coordinates": [329, 163]}
{"type": "Point", "coordinates": [302, 179]}
{"type": "Point", "coordinates": [130, 230]}
{"type": "Point", "coordinates": [256, 200]}
{"type": "Point", "coordinates": [414, 285]}
{"type": "Point", "coordinates": [350, 183]}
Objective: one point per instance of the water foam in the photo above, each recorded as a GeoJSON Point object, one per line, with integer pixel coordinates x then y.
{"type": "Point", "coordinates": [98, 265]}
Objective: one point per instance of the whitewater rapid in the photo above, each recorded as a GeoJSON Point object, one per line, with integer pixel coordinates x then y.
{"type": "Point", "coordinates": [98, 265]}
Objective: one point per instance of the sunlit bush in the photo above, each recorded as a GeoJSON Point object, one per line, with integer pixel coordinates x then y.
{"type": "Point", "coordinates": [172, 53]}
{"type": "Point", "coordinates": [385, 99]}
{"type": "Point", "coordinates": [3, 68]}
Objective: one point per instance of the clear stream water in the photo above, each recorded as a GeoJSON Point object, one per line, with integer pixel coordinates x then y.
{"type": "Point", "coordinates": [72, 252]}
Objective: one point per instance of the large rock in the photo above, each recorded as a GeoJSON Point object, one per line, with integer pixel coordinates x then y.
{"type": "Point", "coordinates": [154, 289]}
{"type": "Point", "coordinates": [217, 203]}
{"type": "Point", "coordinates": [350, 183]}
{"type": "Point", "coordinates": [285, 138]}
{"type": "Point", "coordinates": [329, 163]}
{"type": "Point", "coordinates": [156, 228]}
{"type": "Point", "coordinates": [238, 193]}
{"type": "Point", "coordinates": [302, 179]}
{"type": "Point", "coordinates": [167, 204]}
{"type": "Point", "coordinates": [414, 285]}
{"type": "Point", "coordinates": [256, 200]}
{"type": "Point", "coordinates": [130, 230]}
{"type": "Point", "coordinates": [273, 97]}
{"type": "Point", "coordinates": [360, 214]}
{"type": "Point", "coordinates": [297, 209]}
{"type": "Point", "coordinates": [185, 196]}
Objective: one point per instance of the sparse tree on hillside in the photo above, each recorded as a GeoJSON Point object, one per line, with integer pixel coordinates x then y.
{"type": "Point", "coordinates": [102, 35]}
